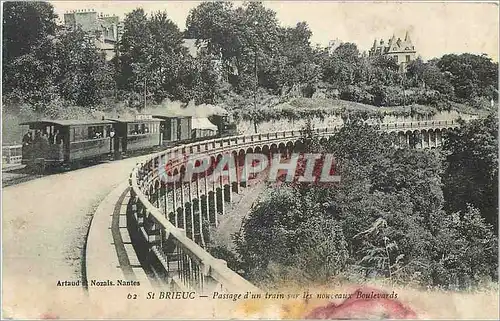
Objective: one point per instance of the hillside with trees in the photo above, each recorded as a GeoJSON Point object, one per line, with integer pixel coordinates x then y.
{"type": "Point", "coordinates": [48, 69]}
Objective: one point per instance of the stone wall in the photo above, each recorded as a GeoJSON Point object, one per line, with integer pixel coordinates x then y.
{"type": "Point", "coordinates": [246, 127]}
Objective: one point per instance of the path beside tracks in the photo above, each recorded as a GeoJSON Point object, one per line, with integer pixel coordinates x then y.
{"type": "Point", "coordinates": [45, 223]}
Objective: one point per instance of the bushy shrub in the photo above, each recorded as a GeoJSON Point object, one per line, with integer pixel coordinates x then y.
{"type": "Point", "coordinates": [289, 231]}
{"type": "Point", "coordinates": [357, 94]}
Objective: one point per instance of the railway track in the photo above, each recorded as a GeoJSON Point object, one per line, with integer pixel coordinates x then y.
{"type": "Point", "coordinates": [14, 176]}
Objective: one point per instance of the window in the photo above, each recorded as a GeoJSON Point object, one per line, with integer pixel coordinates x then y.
{"type": "Point", "coordinates": [95, 132]}
{"type": "Point", "coordinates": [78, 134]}
{"type": "Point", "coordinates": [408, 58]}
{"type": "Point", "coordinates": [133, 129]}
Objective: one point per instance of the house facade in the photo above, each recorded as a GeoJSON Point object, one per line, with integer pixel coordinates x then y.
{"type": "Point", "coordinates": [106, 29]}
{"type": "Point", "coordinates": [402, 50]}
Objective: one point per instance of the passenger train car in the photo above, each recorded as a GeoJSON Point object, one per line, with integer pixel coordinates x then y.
{"type": "Point", "coordinates": [136, 133]}
{"type": "Point", "coordinates": [57, 142]}
{"type": "Point", "coordinates": [174, 129]}
{"type": "Point", "coordinates": [64, 141]}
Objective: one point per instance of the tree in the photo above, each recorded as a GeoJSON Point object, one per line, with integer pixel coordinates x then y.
{"type": "Point", "coordinates": [341, 66]}
{"type": "Point", "coordinates": [471, 75]}
{"type": "Point", "coordinates": [294, 66]}
{"type": "Point", "coordinates": [167, 57]}
{"type": "Point", "coordinates": [151, 56]}
{"type": "Point", "coordinates": [83, 76]}
{"type": "Point", "coordinates": [465, 251]}
{"type": "Point", "coordinates": [245, 37]}
{"type": "Point", "coordinates": [198, 81]}
{"type": "Point", "coordinates": [290, 233]}
{"type": "Point", "coordinates": [133, 48]}
{"type": "Point", "coordinates": [430, 76]}
{"type": "Point", "coordinates": [214, 22]}
{"type": "Point", "coordinates": [26, 25]}
{"type": "Point", "coordinates": [471, 175]}
{"type": "Point", "coordinates": [28, 34]}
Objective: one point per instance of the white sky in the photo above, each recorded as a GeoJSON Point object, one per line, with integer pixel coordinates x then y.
{"type": "Point", "coordinates": [435, 28]}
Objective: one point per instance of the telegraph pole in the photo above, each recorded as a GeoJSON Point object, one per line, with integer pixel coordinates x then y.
{"type": "Point", "coordinates": [256, 80]}
{"type": "Point", "coordinates": [255, 23]}
{"type": "Point", "coordinates": [145, 93]}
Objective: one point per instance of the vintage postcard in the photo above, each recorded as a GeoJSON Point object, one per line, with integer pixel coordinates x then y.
{"type": "Point", "coordinates": [250, 160]}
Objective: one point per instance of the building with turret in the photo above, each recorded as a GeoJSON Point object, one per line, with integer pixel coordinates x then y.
{"type": "Point", "coordinates": [402, 50]}
{"type": "Point", "coordinates": [334, 44]}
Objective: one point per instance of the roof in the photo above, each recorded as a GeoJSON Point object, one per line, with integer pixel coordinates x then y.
{"type": "Point", "coordinates": [168, 117]}
{"type": "Point", "coordinates": [67, 122]}
{"type": "Point", "coordinates": [202, 123]}
{"type": "Point", "coordinates": [132, 120]}
{"type": "Point", "coordinates": [190, 44]}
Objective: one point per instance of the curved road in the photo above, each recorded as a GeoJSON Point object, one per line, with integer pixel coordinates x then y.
{"type": "Point", "coordinates": [45, 222]}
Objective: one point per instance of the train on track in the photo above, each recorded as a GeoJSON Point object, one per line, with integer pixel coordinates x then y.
{"type": "Point", "coordinates": [58, 142]}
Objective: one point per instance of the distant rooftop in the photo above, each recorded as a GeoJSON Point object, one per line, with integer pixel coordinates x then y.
{"type": "Point", "coordinates": [192, 48]}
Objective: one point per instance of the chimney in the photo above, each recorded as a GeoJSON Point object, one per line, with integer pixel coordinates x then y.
{"type": "Point", "coordinates": [407, 37]}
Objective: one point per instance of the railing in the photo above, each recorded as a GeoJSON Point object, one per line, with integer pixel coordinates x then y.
{"type": "Point", "coordinates": [12, 154]}
{"type": "Point", "coordinates": [195, 266]}
{"type": "Point", "coordinates": [182, 261]}
{"type": "Point", "coordinates": [420, 124]}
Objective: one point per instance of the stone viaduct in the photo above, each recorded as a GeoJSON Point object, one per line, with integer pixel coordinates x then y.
{"type": "Point", "coordinates": [167, 221]}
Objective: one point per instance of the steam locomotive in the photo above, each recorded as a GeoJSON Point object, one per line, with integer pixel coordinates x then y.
{"type": "Point", "coordinates": [58, 142]}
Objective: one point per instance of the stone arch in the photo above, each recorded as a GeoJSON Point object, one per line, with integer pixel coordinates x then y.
{"type": "Point", "coordinates": [432, 138]}
{"type": "Point", "coordinates": [282, 149]}
{"type": "Point", "coordinates": [216, 160]}
{"type": "Point", "coordinates": [401, 138]}
{"type": "Point", "coordinates": [273, 149]}
{"type": "Point", "coordinates": [241, 156]}
{"type": "Point", "coordinates": [417, 138]}
{"type": "Point", "coordinates": [409, 137]}
{"type": "Point", "coordinates": [182, 171]}
{"type": "Point", "coordinates": [298, 146]}
{"type": "Point", "coordinates": [425, 138]}
{"type": "Point", "coordinates": [439, 137]}
{"type": "Point", "coordinates": [213, 164]}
